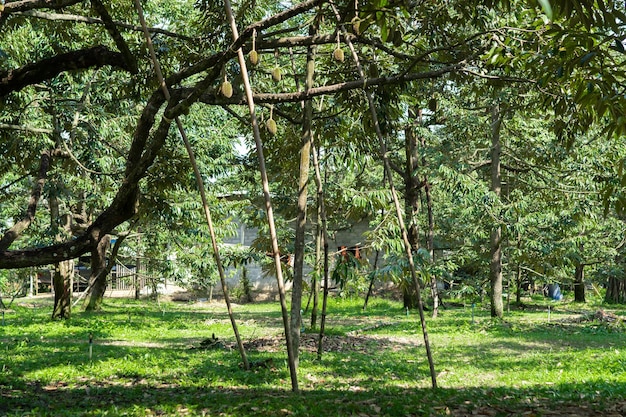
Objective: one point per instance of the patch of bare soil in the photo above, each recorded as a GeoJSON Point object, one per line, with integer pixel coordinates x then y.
{"type": "Point", "coordinates": [333, 343]}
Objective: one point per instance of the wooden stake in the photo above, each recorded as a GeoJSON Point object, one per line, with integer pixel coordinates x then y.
{"type": "Point", "coordinates": [396, 202]}
{"type": "Point", "coordinates": [266, 195]}
{"type": "Point", "coordinates": [205, 205]}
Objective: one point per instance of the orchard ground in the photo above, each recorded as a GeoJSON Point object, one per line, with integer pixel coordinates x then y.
{"type": "Point", "coordinates": [152, 358]}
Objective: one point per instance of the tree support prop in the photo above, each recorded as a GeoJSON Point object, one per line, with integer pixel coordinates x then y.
{"type": "Point", "coordinates": [267, 198]}
{"type": "Point", "coordinates": [388, 172]}
{"type": "Point", "coordinates": [200, 183]}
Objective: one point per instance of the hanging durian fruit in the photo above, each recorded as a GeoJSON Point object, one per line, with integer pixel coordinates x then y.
{"type": "Point", "coordinates": [338, 52]}
{"type": "Point", "coordinates": [226, 88]}
{"type": "Point", "coordinates": [254, 55]}
{"type": "Point", "coordinates": [271, 124]}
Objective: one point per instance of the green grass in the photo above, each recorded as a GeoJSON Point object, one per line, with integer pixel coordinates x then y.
{"type": "Point", "coordinates": [145, 362]}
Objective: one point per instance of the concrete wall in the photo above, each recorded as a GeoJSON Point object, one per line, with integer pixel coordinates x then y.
{"type": "Point", "coordinates": [263, 286]}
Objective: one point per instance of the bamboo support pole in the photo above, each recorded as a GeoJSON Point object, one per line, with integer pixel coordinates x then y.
{"type": "Point", "coordinates": [388, 173]}
{"type": "Point", "coordinates": [266, 195]}
{"type": "Point", "coordinates": [200, 182]}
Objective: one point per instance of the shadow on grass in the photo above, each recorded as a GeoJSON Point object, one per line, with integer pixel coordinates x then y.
{"type": "Point", "coordinates": [140, 399]}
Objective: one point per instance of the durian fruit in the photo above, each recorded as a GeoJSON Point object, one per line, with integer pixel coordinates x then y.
{"type": "Point", "coordinates": [276, 75]}
{"type": "Point", "coordinates": [254, 57]}
{"type": "Point", "coordinates": [397, 39]}
{"type": "Point", "coordinates": [338, 54]}
{"type": "Point", "coordinates": [356, 25]}
{"type": "Point", "coordinates": [226, 89]}
{"type": "Point", "coordinates": [432, 104]}
{"type": "Point", "coordinates": [271, 126]}
{"type": "Point", "coordinates": [373, 70]}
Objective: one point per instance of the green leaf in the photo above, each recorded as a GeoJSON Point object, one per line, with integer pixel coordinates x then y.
{"type": "Point", "coordinates": [547, 8]}
{"type": "Point", "coordinates": [619, 46]}
{"type": "Point", "coordinates": [587, 57]}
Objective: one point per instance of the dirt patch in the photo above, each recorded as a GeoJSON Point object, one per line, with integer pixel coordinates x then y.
{"type": "Point", "coordinates": [333, 343]}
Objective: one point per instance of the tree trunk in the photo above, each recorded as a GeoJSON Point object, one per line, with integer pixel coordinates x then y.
{"type": "Point", "coordinates": [62, 283]}
{"type": "Point", "coordinates": [579, 284]}
{"type": "Point", "coordinates": [616, 290]}
{"type": "Point", "coordinates": [495, 270]}
{"type": "Point", "coordinates": [315, 281]}
{"type": "Point", "coordinates": [138, 268]}
{"type": "Point", "coordinates": [430, 244]}
{"type": "Point", "coordinates": [98, 277]}
{"type": "Point", "coordinates": [324, 243]}
{"type": "Point", "coordinates": [518, 282]}
{"type": "Point", "coordinates": [303, 182]}
{"type": "Point", "coordinates": [372, 279]}
{"type": "Point", "coordinates": [62, 275]}
{"type": "Point", "coordinates": [411, 207]}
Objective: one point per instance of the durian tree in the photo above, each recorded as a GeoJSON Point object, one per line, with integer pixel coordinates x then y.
{"type": "Point", "coordinates": [98, 47]}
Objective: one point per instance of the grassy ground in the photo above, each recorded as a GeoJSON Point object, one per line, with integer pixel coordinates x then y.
{"type": "Point", "coordinates": [147, 360]}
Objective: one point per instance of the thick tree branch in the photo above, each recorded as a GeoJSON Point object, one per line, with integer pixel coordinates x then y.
{"type": "Point", "coordinates": [15, 231]}
{"type": "Point", "coordinates": [93, 20]}
{"type": "Point", "coordinates": [122, 208]}
{"type": "Point", "coordinates": [110, 26]}
{"type": "Point", "coordinates": [4, 126]}
{"type": "Point", "coordinates": [98, 56]}
{"type": "Point", "coordinates": [24, 5]}
{"type": "Point", "coordinates": [276, 98]}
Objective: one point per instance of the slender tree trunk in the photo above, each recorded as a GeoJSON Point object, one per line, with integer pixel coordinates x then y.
{"type": "Point", "coordinates": [324, 237]}
{"type": "Point", "coordinates": [300, 232]}
{"type": "Point", "coordinates": [579, 284]}
{"type": "Point", "coordinates": [430, 244]}
{"type": "Point", "coordinates": [495, 270]}
{"type": "Point", "coordinates": [315, 282]}
{"type": "Point", "coordinates": [138, 267]}
{"type": "Point", "coordinates": [518, 281]}
{"type": "Point", "coordinates": [62, 275]}
{"type": "Point", "coordinates": [371, 286]}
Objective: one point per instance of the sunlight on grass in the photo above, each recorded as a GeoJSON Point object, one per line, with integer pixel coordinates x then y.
{"type": "Point", "coordinates": [146, 359]}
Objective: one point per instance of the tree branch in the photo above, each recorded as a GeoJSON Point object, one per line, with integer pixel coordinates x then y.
{"type": "Point", "coordinates": [25, 128]}
{"type": "Point", "coordinates": [110, 26]}
{"type": "Point", "coordinates": [98, 56]}
{"type": "Point", "coordinates": [276, 98]}
{"type": "Point", "coordinates": [24, 5]}
{"type": "Point", "coordinates": [93, 20]}
{"type": "Point", "coordinates": [15, 231]}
